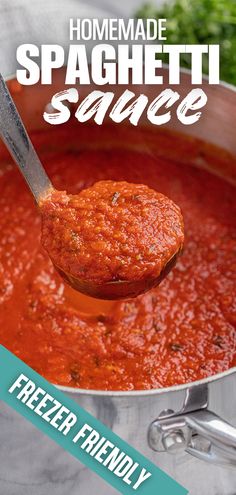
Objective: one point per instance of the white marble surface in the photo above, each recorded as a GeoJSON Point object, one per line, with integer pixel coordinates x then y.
{"type": "Point", "coordinates": [46, 21]}
{"type": "Point", "coordinates": [32, 464]}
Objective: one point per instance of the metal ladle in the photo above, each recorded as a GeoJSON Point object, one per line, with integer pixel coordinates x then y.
{"type": "Point", "coordinates": [16, 139]}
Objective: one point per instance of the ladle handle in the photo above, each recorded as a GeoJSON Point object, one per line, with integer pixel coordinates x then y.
{"type": "Point", "coordinates": [16, 139]}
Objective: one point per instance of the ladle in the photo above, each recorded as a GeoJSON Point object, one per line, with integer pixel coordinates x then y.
{"type": "Point", "coordinates": [16, 138]}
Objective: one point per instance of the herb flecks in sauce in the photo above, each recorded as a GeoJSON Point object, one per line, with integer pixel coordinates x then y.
{"type": "Point", "coordinates": [52, 328]}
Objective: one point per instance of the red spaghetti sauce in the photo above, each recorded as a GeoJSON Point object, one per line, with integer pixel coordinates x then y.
{"type": "Point", "coordinates": [179, 332]}
{"type": "Point", "coordinates": [111, 232]}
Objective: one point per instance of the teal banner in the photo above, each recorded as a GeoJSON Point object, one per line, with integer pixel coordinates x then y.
{"type": "Point", "coordinates": [81, 434]}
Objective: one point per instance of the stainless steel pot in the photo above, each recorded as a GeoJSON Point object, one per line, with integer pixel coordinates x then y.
{"type": "Point", "coordinates": [185, 429]}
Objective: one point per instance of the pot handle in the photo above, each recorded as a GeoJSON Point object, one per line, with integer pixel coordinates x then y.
{"type": "Point", "coordinates": [201, 433]}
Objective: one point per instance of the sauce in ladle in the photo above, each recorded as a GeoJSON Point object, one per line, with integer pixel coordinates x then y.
{"type": "Point", "coordinates": [112, 240]}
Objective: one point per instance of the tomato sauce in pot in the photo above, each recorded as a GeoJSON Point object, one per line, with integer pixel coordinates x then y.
{"type": "Point", "coordinates": [179, 332]}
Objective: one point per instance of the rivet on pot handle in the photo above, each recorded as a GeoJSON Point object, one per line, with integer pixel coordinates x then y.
{"type": "Point", "coordinates": [199, 432]}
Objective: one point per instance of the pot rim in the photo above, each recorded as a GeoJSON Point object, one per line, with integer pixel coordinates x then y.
{"type": "Point", "coordinates": [145, 393]}
{"type": "Point", "coordinates": [154, 391]}
{"type": "Point", "coordinates": [205, 78]}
